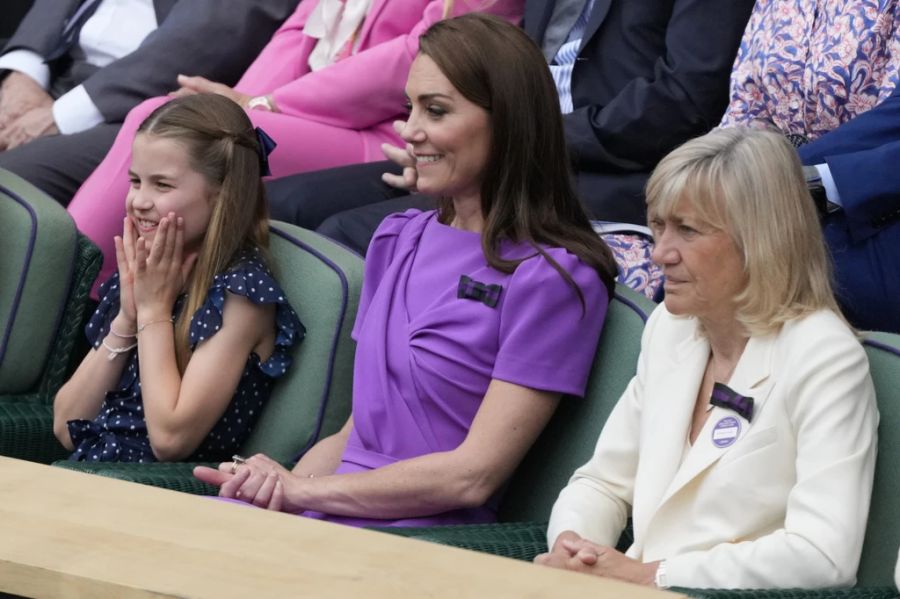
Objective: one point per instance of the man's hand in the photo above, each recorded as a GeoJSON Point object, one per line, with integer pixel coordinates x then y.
{"type": "Point", "coordinates": [201, 85]}
{"type": "Point", "coordinates": [38, 122]}
{"type": "Point", "coordinates": [19, 94]}
{"type": "Point", "coordinates": [403, 157]}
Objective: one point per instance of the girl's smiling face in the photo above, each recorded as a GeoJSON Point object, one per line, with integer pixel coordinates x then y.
{"type": "Point", "coordinates": [163, 181]}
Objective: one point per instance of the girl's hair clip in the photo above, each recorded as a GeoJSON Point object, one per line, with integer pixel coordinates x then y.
{"type": "Point", "coordinates": [266, 145]}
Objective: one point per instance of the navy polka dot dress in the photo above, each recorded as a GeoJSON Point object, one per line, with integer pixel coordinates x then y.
{"type": "Point", "coordinates": [119, 433]}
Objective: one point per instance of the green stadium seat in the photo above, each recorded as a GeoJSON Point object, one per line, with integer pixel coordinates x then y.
{"type": "Point", "coordinates": [46, 273]}
{"type": "Point", "coordinates": [567, 443]}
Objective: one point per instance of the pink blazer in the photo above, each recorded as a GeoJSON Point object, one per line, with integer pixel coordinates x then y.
{"type": "Point", "coordinates": [363, 90]}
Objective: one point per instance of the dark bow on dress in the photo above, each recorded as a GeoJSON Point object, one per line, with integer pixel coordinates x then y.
{"type": "Point", "coordinates": [266, 145]}
{"type": "Point", "coordinates": [725, 397]}
{"type": "Point", "coordinates": [469, 288]}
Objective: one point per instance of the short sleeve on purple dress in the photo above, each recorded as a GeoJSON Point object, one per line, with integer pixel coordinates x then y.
{"type": "Point", "coordinates": [119, 432]}
{"type": "Point", "coordinates": [436, 324]}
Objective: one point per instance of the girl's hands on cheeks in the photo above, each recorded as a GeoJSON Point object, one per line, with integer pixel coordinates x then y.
{"type": "Point", "coordinates": [161, 270]}
{"type": "Point", "coordinates": [125, 258]}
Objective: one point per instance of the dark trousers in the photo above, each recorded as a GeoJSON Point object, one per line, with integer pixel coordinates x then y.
{"type": "Point", "coordinates": [308, 199]}
{"type": "Point", "coordinates": [348, 203]}
{"type": "Point", "coordinates": [355, 228]}
{"type": "Point", "coordinates": [867, 274]}
{"type": "Point", "coordinates": [345, 203]}
{"type": "Point", "coordinates": [59, 164]}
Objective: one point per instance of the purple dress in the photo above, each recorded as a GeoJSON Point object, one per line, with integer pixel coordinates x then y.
{"type": "Point", "coordinates": [428, 346]}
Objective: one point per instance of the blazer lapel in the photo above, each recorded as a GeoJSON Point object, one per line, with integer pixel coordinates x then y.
{"type": "Point", "coordinates": [537, 15]}
{"type": "Point", "coordinates": [598, 15]}
{"type": "Point", "coordinates": [163, 8]}
{"type": "Point", "coordinates": [675, 390]}
{"type": "Point", "coordinates": [371, 18]}
{"type": "Point", "coordinates": [718, 437]}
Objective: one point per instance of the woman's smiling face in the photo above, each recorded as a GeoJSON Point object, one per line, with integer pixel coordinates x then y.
{"type": "Point", "coordinates": [450, 136]}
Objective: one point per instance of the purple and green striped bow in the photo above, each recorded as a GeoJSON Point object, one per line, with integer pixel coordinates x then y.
{"type": "Point", "coordinates": [471, 289]}
{"type": "Point", "coordinates": [725, 397]}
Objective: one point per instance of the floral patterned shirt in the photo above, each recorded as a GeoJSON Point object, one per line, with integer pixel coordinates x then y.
{"type": "Point", "coordinates": [806, 66]}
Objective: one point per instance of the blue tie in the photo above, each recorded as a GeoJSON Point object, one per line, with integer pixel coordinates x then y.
{"type": "Point", "coordinates": [562, 21]}
{"type": "Point", "coordinates": [72, 29]}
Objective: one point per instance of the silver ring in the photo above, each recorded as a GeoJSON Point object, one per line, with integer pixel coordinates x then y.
{"type": "Point", "coordinates": [236, 461]}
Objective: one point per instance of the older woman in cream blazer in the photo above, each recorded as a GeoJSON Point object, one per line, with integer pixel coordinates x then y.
{"type": "Point", "coordinates": [744, 447]}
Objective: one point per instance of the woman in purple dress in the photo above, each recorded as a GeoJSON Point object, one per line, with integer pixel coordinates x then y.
{"type": "Point", "coordinates": [475, 318]}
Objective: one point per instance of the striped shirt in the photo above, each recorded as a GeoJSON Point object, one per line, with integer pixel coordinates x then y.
{"type": "Point", "coordinates": [564, 62]}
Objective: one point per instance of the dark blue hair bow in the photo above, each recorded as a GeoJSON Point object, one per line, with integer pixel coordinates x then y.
{"type": "Point", "coordinates": [266, 145]}
{"type": "Point", "coordinates": [468, 288]}
{"type": "Point", "coordinates": [725, 397]}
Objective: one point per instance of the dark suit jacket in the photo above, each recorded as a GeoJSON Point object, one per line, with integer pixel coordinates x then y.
{"type": "Point", "coordinates": [214, 38]}
{"type": "Point", "coordinates": [863, 155]}
{"type": "Point", "coordinates": [650, 75]}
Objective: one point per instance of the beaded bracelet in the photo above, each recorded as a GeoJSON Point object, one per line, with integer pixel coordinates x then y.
{"type": "Point", "coordinates": [120, 336]}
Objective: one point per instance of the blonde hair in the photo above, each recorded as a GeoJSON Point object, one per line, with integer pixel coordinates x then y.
{"type": "Point", "coordinates": [749, 184]}
{"type": "Point", "coordinates": [222, 146]}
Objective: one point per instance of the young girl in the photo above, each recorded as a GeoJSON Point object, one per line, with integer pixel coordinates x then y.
{"type": "Point", "coordinates": [179, 367]}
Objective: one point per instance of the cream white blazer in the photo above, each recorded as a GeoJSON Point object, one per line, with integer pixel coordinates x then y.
{"type": "Point", "coordinates": [779, 501]}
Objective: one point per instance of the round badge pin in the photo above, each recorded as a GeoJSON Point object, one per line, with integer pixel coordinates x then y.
{"type": "Point", "coordinates": [726, 431]}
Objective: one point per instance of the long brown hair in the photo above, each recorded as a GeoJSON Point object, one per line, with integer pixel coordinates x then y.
{"type": "Point", "coordinates": [222, 146]}
{"type": "Point", "coordinates": [527, 194]}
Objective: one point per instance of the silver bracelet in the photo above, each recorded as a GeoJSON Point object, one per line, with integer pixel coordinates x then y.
{"type": "Point", "coordinates": [115, 351]}
{"type": "Point", "coordinates": [141, 328]}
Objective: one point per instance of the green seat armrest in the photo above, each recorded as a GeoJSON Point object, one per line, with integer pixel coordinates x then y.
{"type": "Point", "coordinates": [176, 476]}
{"type": "Point", "coordinates": [26, 432]}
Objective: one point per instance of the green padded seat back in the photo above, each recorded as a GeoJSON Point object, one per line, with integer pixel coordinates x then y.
{"type": "Point", "coordinates": [322, 280]}
{"type": "Point", "coordinates": [38, 249]}
{"type": "Point", "coordinates": [569, 438]}
{"type": "Point", "coordinates": [883, 532]}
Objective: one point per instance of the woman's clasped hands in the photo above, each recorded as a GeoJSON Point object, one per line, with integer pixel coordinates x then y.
{"type": "Point", "coordinates": [572, 552]}
{"type": "Point", "coordinates": [258, 480]}
{"type": "Point", "coordinates": [152, 272]}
